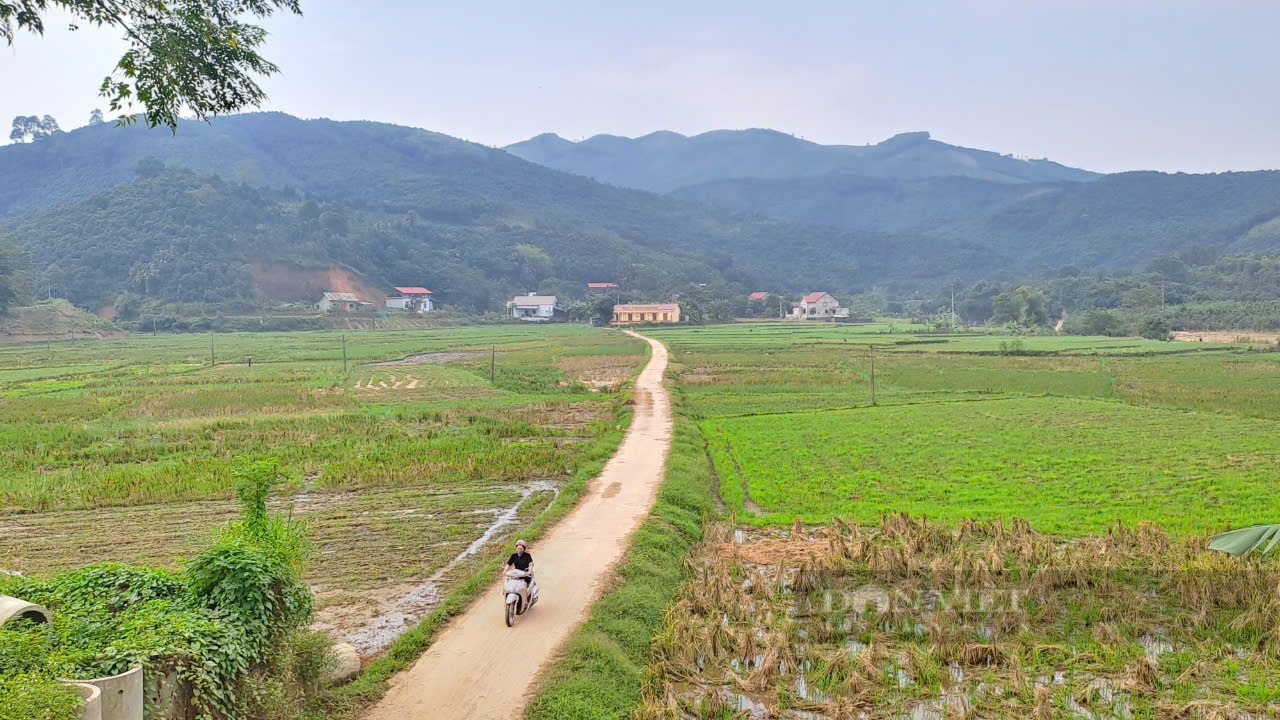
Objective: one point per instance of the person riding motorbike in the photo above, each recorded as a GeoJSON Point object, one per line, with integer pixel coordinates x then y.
{"type": "Point", "coordinates": [522, 560]}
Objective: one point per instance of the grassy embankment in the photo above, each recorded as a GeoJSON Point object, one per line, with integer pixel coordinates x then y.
{"type": "Point", "coordinates": [600, 671]}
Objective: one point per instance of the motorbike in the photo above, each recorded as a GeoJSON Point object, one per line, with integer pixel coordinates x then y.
{"type": "Point", "coordinates": [519, 595]}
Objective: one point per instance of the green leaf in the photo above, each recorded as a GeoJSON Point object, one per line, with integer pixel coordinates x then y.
{"type": "Point", "coordinates": [1245, 540]}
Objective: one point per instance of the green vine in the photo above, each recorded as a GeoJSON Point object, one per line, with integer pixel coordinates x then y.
{"type": "Point", "coordinates": [223, 619]}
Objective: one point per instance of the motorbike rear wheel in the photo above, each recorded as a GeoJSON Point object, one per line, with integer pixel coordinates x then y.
{"type": "Point", "coordinates": [511, 614]}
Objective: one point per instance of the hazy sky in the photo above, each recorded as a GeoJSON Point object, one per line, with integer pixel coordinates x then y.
{"type": "Point", "coordinates": [1107, 84]}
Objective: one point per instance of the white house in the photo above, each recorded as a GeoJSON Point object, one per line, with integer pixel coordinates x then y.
{"type": "Point", "coordinates": [341, 302]}
{"type": "Point", "coordinates": [817, 305]}
{"type": "Point", "coordinates": [534, 308]}
{"type": "Point", "coordinates": [411, 299]}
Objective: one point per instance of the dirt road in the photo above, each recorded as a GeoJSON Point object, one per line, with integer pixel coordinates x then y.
{"type": "Point", "coordinates": [479, 669]}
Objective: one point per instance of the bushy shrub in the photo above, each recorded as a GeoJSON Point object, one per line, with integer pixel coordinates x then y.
{"type": "Point", "coordinates": [230, 625]}
{"type": "Point", "coordinates": [294, 673]}
{"type": "Point", "coordinates": [253, 572]}
{"type": "Point", "coordinates": [1012, 347]}
{"type": "Point", "coordinates": [1155, 328]}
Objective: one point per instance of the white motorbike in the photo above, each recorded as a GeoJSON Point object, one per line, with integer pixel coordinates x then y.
{"type": "Point", "coordinates": [520, 596]}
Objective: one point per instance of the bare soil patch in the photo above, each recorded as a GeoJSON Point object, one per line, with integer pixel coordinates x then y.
{"type": "Point", "coordinates": [290, 283]}
{"type": "Point", "coordinates": [598, 371]}
{"type": "Point", "coordinates": [436, 358]}
{"type": "Point", "coordinates": [54, 321]}
{"type": "Point", "coordinates": [1255, 337]}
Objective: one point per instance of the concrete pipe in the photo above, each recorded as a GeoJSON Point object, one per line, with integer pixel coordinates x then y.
{"type": "Point", "coordinates": [92, 708]}
{"type": "Point", "coordinates": [121, 694]}
{"type": "Point", "coordinates": [11, 608]}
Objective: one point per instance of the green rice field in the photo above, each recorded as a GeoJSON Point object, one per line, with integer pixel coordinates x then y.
{"type": "Point", "coordinates": [399, 462]}
{"type": "Point", "coordinates": [1069, 433]}
{"type": "Point", "coordinates": [1070, 466]}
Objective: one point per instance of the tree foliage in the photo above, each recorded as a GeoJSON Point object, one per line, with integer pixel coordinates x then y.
{"type": "Point", "coordinates": [195, 56]}
{"type": "Point", "coordinates": [175, 242]}
{"type": "Point", "coordinates": [407, 206]}
{"type": "Point", "coordinates": [1023, 305]}
{"type": "Point", "coordinates": [12, 267]}
{"type": "Point", "coordinates": [29, 128]}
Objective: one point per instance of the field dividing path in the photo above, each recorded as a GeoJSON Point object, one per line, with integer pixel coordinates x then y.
{"type": "Point", "coordinates": [478, 668]}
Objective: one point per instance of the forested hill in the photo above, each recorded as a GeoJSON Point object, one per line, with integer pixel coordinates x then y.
{"type": "Point", "coordinates": [200, 243]}
{"type": "Point", "coordinates": [1118, 221]}
{"type": "Point", "coordinates": [369, 162]}
{"type": "Point", "coordinates": [195, 243]}
{"type": "Point", "coordinates": [420, 208]}
{"type": "Point", "coordinates": [666, 161]}
{"type": "Point", "coordinates": [131, 215]}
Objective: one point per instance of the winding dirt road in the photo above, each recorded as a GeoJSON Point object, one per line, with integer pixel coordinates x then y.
{"type": "Point", "coordinates": [479, 669]}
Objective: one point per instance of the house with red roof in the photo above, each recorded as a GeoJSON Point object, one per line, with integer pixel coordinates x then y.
{"type": "Point", "coordinates": [410, 299]}
{"type": "Point", "coordinates": [598, 289]}
{"type": "Point", "coordinates": [758, 296]}
{"type": "Point", "coordinates": [819, 306]}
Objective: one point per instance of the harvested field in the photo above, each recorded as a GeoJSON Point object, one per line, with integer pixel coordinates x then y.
{"type": "Point", "coordinates": [598, 371]}
{"type": "Point", "coordinates": [436, 358]}
{"type": "Point", "coordinates": [907, 619]}
{"type": "Point", "coordinates": [1256, 337]}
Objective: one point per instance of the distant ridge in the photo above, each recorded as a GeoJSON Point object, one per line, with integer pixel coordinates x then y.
{"type": "Point", "coordinates": [665, 161]}
{"type": "Point", "coordinates": [150, 222]}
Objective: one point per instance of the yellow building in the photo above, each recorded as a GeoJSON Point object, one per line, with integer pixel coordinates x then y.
{"type": "Point", "coordinates": [631, 314]}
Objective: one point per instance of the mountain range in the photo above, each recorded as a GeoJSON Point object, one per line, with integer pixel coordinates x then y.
{"type": "Point", "coordinates": [666, 161]}
{"type": "Point", "coordinates": [212, 217]}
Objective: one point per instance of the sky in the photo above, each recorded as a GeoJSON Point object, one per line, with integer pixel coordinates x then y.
{"type": "Point", "coordinates": [1108, 85]}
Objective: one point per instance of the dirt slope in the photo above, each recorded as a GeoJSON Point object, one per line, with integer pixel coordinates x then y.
{"type": "Point", "coordinates": [481, 670]}
{"type": "Point", "coordinates": [56, 320]}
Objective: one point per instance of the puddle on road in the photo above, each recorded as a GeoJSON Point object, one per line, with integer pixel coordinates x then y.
{"type": "Point", "coordinates": [379, 632]}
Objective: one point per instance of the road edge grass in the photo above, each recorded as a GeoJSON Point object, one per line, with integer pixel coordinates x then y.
{"type": "Point", "coordinates": [347, 701]}
{"type": "Point", "coordinates": [599, 671]}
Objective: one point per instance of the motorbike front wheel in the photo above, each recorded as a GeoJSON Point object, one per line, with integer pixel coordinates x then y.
{"type": "Point", "coordinates": [511, 614]}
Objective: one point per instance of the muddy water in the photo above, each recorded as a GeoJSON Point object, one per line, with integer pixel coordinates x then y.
{"type": "Point", "coordinates": [382, 630]}
{"type": "Point", "coordinates": [480, 669]}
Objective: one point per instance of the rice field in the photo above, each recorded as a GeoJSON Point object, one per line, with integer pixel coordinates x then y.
{"type": "Point", "coordinates": [905, 619]}
{"type": "Point", "coordinates": [1068, 466]}
{"type": "Point", "coordinates": [1071, 441]}
{"type": "Point", "coordinates": [1002, 527]}
{"type": "Point", "coordinates": [728, 371]}
{"type": "Point", "coordinates": [399, 463]}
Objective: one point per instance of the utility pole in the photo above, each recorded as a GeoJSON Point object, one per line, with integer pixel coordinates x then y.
{"type": "Point", "coordinates": [213, 361]}
{"type": "Point", "coordinates": [871, 352]}
{"type": "Point", "coordinates": [493, 361]}
{"type": "Point", "coordinates": [153, 326]}
{"type": "Point", "coordinates": [953, 307]}
{"type": "Point", "coordinates": [344, 353]}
